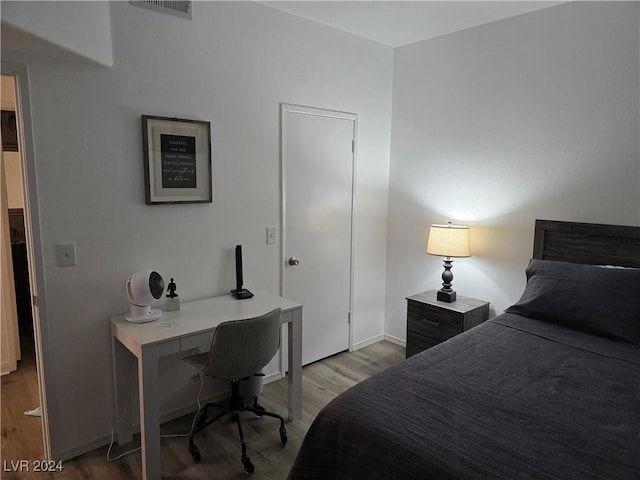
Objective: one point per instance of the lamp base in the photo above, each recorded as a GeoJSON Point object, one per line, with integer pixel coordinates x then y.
{"type": "Point", "coordinates": [241, 294]}
{"type": "Point", "coordinates": [445, 296]}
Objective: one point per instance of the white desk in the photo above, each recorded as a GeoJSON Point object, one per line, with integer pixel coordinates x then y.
{"type": "Point", "coordinates": [192, 326]}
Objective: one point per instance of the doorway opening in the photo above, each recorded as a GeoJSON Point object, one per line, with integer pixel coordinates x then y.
{"type": "Point", "coordinates": [20, 390]}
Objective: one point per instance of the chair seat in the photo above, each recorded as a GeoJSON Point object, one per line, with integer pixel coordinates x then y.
{"type": "Point", "coordinates": [239, 349]}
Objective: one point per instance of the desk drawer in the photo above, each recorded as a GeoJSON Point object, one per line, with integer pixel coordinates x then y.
{"type": "Point", "coordinates": [201, 341]}
{"type": "Point", "coordinates": [168, 348]}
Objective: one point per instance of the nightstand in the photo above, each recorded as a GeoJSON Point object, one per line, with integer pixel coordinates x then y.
{"type": "Point", "coordinates": [430, 321]}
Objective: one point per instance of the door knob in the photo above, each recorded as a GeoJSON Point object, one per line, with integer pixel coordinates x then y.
{"type": "Point", "coordinates": [294, 261]}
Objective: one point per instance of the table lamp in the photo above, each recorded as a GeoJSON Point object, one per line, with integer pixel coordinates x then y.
{"type": "Point", "coordinates": [448, 241]}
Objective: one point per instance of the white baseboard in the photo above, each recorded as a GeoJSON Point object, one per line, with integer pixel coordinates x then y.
{"type": "Point", "coordinates": [396, 340]}
{"type": "Point", "coordinates": [272, 377]}
{"type": "Point", "coordinates": [367, 342]}
{"type": "Point", "coordinates": [379, 338]}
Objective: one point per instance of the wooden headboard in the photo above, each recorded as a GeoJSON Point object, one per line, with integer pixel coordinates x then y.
{"type": "Point", "coordinates": [587, 243]}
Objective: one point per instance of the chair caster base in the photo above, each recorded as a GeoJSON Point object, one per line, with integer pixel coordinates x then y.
{"type": "Point", "coordinates": [201, 422]}
{"type": "Point", "coordinates": [247, 465]}
{"type": "Point", "coordinates": [195, 453]}
{"type": "Point", "coordinates": [260, 409]}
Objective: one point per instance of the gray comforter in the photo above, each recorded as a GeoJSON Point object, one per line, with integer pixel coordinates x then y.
{"type": "Point", "coordinates": [513, 398]}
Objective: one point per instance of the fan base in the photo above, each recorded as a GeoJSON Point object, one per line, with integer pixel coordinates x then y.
{"type": "Point", "coordinates": [153, 315]}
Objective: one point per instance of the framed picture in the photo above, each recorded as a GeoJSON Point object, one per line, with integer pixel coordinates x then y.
{"type": "Point", "coordinates": [9, 131]}
{"type": "Point", "coordinates": [177, 160]}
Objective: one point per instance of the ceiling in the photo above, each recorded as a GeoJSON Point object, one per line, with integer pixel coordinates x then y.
{"type": "Point", "coordinates": [398, 23]}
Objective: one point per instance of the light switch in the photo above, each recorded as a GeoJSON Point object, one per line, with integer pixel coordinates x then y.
{"type": "Point", "coordinates": [271, 235]}
{"type": "Point", "coordinates": [66, 254]}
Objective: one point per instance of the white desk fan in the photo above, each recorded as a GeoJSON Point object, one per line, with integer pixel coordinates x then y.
{"type": "Point", "coordinates": [141, 289]}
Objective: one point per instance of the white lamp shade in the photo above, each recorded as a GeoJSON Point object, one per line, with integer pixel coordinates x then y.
{"type": "Point", "coordinates": [449, 241]}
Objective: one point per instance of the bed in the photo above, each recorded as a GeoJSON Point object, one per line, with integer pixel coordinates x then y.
{"type": "Point", "coordinates": [549, 389]}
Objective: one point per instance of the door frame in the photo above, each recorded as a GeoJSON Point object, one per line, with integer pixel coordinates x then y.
{"type": "Point", "coordinates": [34, 247]}
{"type": "Point", "coordinates": [306, 110]}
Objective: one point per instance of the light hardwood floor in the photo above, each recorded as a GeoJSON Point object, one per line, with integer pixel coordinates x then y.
{"type": "Point", "coordinates": [219, 445]}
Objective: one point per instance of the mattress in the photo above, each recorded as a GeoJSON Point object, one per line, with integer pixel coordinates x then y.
{"type": "Point", "coordinates": [513, 398]}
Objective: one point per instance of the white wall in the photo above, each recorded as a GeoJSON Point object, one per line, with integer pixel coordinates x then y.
{"type": "Point", "coordinates": [59, 29]}
{"type": "Point", "coordinates": [13, 170]}
{"type": "Point", "coordinates": [232, 65]}
{"type": "Point", "coordinates": [530, 117]}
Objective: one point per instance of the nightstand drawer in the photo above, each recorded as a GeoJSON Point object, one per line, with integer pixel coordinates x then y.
{"type": "Point", "coordinates": [432, 322]}
{"type": "Point", "coordinates": [417, 343]}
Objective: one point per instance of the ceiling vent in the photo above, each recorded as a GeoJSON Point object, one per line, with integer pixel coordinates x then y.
{"type": "Point", "coordinates": [175, 7]}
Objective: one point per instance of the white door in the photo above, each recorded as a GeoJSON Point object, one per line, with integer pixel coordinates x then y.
{"type": "Point", "coordinates": [317, 167]}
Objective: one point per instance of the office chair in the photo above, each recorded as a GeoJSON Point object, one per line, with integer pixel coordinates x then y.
{"type": "Point", "coordinates": [239, 349]}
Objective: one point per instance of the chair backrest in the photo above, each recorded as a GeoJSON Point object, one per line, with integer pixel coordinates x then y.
{"type": "Point", "coordinates": [243, 347]}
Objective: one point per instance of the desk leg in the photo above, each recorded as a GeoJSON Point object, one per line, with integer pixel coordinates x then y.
{"type": "Point", "coordinates": [122, 364]}
{"type": "Point", "coordinates": [149, 413]}
{"type": "Point", "coordinates": [295, 365]}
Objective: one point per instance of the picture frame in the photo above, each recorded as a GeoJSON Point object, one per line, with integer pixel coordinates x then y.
{"type": "Point", "coordinates": [9, 131]}
{"type": "Point", "coordinates": [177, 160]}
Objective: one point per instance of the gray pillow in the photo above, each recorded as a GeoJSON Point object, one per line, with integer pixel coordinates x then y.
{"type": "Point", "coordinates": [590, 298]}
